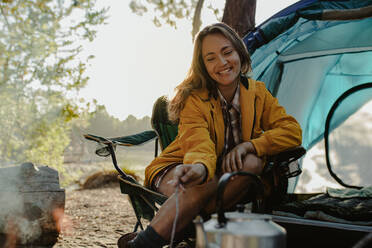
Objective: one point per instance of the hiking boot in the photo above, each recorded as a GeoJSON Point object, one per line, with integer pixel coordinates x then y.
{"type": "Point", "coordinates": [123, 241]}
{"type": "Point", "coordinates": [183, 244]}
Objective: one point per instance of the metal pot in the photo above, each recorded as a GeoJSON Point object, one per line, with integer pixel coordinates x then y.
{"type": "Point", "coordinates": [236, 229]}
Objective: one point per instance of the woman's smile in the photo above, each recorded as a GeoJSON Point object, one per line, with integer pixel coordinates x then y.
{"type": "Point", "coordinates": [225, 71]}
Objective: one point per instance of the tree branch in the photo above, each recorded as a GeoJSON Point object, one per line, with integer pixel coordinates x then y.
{"type": "Point", "coordinates": [5, 18]}
{"type": "Point", "coordinates": [196, 22]}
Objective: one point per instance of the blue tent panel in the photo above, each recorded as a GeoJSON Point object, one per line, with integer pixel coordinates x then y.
{"type": "Point", "coordinates": [307, 62]}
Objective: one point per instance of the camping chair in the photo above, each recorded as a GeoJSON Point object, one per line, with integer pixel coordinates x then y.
{"type": "Point", "coordinates": [144, 201]}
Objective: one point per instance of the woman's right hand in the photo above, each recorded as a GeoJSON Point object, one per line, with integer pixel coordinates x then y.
{"type": "Point", "coordinates": [234, 160]}
{"type": "Point", "coordinates": [189, 175]}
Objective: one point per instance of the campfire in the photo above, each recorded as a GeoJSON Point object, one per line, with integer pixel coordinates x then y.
{"type": "Point", "coordinates": [31, 206]}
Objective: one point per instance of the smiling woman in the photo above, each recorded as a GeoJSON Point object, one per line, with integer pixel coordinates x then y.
{"type": "Point", "coordinates": [227, 122]}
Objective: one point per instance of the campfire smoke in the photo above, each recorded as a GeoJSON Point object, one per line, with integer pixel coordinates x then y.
{"type": "Point", "coordinates": [29, 199]}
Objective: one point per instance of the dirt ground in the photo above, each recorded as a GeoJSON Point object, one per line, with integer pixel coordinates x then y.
{"type": "Point", "coordinates": [95, 218]}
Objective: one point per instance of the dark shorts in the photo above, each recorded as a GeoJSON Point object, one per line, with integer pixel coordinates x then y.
{"type": "Point", "coordinates": [160, 175]}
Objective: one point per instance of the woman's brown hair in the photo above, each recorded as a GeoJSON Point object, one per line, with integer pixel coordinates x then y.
{"type": "Point", "coordinates": [197, 76]}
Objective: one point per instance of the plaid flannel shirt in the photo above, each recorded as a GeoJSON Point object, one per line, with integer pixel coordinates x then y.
{"type": "Point", "coordinates": [232, 119]}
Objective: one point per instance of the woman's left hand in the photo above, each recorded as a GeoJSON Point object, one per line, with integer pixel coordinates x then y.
{"type": "Point", "coordinates": [233, 161]}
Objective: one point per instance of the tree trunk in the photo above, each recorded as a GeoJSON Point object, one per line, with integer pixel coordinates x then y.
{"type": "Point", "coordinates": [196, 22]}
{"type": "Point", "coordinates": [240, 15]}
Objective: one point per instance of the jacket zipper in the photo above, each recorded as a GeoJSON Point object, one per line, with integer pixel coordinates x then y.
{"type": "Point", "coordinates": [254, 117]}
{"type": "Point", "coordinates": [219, 158]}
{"type": "Point", "coordinates": [214, 129]}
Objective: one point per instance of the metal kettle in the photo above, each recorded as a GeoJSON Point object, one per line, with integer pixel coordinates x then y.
{"type": "Point", "coordinates": [238, 229]}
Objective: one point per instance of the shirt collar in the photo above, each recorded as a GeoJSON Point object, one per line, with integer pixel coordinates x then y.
{"type": "Point", "coordinates": [235, 101]}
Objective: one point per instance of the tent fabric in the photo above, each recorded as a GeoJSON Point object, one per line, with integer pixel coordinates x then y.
{"type": "Point", "coordinates": [308, 62]}
{"type": "Point", "coordinates": [350, 143]}
{"type": "Point", "coordinates": [333, 40]}
{"type": "Point", "coordinates": [307, 9]}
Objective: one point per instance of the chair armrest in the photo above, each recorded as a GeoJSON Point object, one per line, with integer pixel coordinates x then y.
{"type": "Point", "coordinates": [130, 140]}
{"type": "Point", "coordinates": [288, 156]}
{"type": "Point", "coordinates": [283, 162]}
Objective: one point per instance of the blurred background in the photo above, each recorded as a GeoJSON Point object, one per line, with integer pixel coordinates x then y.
{"type": "Point", "coordinates": [73, 67]}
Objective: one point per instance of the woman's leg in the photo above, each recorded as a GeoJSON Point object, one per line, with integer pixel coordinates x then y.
{"type": "Point", "coordinates": [192, 200]}
{"type": "Point", "coordinates": [239, 187]}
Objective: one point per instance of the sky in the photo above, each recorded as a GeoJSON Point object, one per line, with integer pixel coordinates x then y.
{"type": "Point", "coordinates": [136, 62]}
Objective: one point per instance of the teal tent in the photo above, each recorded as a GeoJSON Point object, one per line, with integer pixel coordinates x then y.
{"type": "Point", "coordinates": [311, 53]}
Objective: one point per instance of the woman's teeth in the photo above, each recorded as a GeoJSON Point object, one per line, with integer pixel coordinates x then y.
{"type": "Point", "coordinates": [225, 71]}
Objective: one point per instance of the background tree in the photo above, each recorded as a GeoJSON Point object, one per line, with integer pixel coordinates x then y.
{"type": "Point", "coordinates": [239, 14]}
{"type": "Point", "coordinates": [41, 70]}
{"type": "Point", "coordinates": [101, 123]}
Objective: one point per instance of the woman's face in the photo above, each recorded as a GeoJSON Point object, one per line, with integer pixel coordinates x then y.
{"type": "Point", "coordinates": [221, 60]}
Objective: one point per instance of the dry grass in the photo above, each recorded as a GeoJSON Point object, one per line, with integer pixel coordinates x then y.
{"type": "Point", "coordinates": [103, 178]}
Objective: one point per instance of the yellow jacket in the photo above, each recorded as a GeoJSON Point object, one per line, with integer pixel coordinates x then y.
{"type": "Point", "coordinates": [201, 131]}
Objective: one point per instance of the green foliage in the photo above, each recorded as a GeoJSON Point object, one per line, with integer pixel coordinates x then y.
{"type": "Point", "coordinates": [169, 11]}
{"type": "Point", "coordinates": [40, 69]}
{"type": "Point", "coordinates": [102, 123]}
{"type": "Point", "coordinates": [49, 140]}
